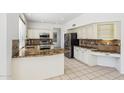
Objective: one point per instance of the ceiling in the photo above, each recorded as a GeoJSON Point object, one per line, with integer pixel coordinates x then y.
{"type": "Point", "coordinates": [55, 18]}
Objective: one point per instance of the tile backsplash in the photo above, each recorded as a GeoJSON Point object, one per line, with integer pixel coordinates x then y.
{"type": "Point", "coordinates": [15, 47]}
{"type": "Point", "coordinates": [101, 45]}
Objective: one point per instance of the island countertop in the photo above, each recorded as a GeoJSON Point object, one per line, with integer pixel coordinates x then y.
{"type": "Point", "coordinates": [32, 52]}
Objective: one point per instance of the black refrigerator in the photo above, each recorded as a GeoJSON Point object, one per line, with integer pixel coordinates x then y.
{"type": "Point", "coordinates": [70, 40]}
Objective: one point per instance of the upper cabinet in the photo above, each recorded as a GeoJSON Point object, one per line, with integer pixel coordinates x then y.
{"type": "Point", "coordinates": [87, 32]}
{"type": "Point", "coordinates": [110, 30]}
{"type": "Point", "coordinates": [104, 30]}
{"type": "Point", "coordinates": [117, 30]}
{"type": "Point", "coordinates": [35, 33]}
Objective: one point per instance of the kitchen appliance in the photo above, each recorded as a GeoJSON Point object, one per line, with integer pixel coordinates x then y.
{"type": "Point", "coordinates": [44, 36]}
{"type": "Point", "coordinates": [44, 47]}
{"type": "Point", "coordinates": [45, 41]}
{"type": "Point", "coordinates": [70, 41]}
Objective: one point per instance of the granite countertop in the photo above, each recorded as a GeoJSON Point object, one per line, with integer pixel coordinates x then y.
{"type": "Point", "coordinates": [97, 50]}
{"type": "Point", "coordinates": [32, 52]}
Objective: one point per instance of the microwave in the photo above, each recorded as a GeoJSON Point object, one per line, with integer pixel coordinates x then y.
{"type": "Point", "coordinates": [44, 36]}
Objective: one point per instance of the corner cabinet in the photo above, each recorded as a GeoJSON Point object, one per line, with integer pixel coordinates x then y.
{"type": "Point", "coordinates": [84, 56]}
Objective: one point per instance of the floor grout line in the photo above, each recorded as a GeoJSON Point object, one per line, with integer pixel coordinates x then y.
{"type": "Point", "coordinates": [74, 69]}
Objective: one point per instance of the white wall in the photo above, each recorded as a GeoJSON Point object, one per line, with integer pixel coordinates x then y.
{"type": "Point", "coordinates": [8, 32]}
{"type": "Point", "coordinates": [12, 33]}
{"type": "Point", "coordinates": [22, 34]}
{"type": "Point", "coordinates": [3, 46]}
{"type": "Point", "coordinates": [88, 18]}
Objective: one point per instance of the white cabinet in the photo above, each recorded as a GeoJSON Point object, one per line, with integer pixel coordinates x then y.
{"type": "Point", "coordinates": [34, 33]}
{"type": "Point", "coordinates": [83, 56]}
{"type": "Point", "coordinates": [87, 58]}
{"type": "Point", "coordinates": [80, 33]}
{"type": "Point", "coordinates": [90, 59]}
{"type": "Point", "coordinates": [87, 32]}
{"type": "Point", "coordinates": [76, 52]}
{"type": "Point", "coordinates": [94, 31]}
{"type": "Point", "coordinates": [117, 30]}
{"type": "Point", "coordinates": [103, 30]}
{"type": "Point", "coordinates": [91, 31]}
{"type": "Point", "coordinates": [109, 30]}
{"type": "Point", "coordinates": [97, 58]}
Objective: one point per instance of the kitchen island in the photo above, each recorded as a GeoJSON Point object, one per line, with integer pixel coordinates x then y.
{"type": "Point", "coordinates": [38, 64]}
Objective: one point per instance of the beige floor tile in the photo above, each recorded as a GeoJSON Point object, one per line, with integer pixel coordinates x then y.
{"type": "Point", "coordinates": [56, 78]}
{"type": "Point", "coordinates": [109, 77]}
{"type": "Point", "coordinates": [75, 70]}
{"type": "Point", "coordinates": [120, 77]}
{"type": "Point", "coordinates": [100, 78]}
{"type": "Point", "coordinates": [75, 78]}
{"type": "Point", "coordinates": [65, 77]}
{"type": "Point", "coordinates": [72, 75]}
{"type": "Point", "coordinates": [79, 73]}
{"type": "Point", "coordinates": [84, 77]}
{"type": "Point", "coordinates": [90, 76]}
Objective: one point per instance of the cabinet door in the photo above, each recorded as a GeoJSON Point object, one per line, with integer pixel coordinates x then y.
{"type": "Point", "coordinates": [75, 52]}
{"type": "Point", "coordinates": [79, 32]}
{"type": "Point", "coordinates": [94, 31]}
{"type": "Point", "coordinates": [89, 32]}
{"type": "Point", "coordinates": [79, 55]}
{"type": "Point", "coordinates": [117, 30]}
{"type": "Point", "coordinates": [87, 58]}
{"type": "Point", "coordinates": [90, 59]}
{"type": "Point", "coordinates": [84, 32]}
{"type": "Point", "coordinates": [106, 31]}
{"type": "Point", "coordinates": [82, 56]}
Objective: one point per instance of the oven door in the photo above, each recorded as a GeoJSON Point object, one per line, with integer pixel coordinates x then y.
{"type": "Point", "coordinates": [44, 47]}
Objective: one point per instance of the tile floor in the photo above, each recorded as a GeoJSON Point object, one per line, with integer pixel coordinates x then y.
{"type": "Point", "coordinates": [75, 70]}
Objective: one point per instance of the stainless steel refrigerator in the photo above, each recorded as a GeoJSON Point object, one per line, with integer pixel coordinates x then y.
{"type": "Point", "coordinates": [70, 40]}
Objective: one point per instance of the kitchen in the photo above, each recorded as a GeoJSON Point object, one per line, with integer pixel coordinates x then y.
{"type": "Point", "coordinates": [51, 46]}
{"type": "Point", "coordinates": [94, 44]}
{"type": "Point", "coordinates": [41, 56]}
{"type": "Point", "coordinates": [68, 46]}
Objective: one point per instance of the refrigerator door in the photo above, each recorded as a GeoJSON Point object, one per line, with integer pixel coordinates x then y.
{"type": "Point", "coordinates": [70, 41]}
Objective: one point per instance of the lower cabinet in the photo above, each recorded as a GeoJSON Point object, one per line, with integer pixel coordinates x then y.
{"type": "Point", "coordinates": [76, 52]}
{"type": "Point", "coordinates": [90, 59]}
{"type": "Point", "coordinates": [83, 56]}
